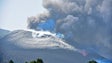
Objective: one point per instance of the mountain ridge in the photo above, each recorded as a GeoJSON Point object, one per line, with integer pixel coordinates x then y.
{"type": "Point", "coordinates": [13, 48]}
{"type": "Point", "coordinates": [3, 32]}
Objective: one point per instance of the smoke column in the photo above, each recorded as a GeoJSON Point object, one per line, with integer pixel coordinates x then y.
{"type": "Point", "coordinates": [88, 22]}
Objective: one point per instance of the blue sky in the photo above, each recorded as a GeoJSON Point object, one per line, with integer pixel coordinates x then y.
{"type": "Point", "coordinates": [14, 13]}
{"type": "Point", "coordinates": [48, 25]}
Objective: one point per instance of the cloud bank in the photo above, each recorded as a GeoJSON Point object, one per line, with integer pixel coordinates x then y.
{"type": "Point", "coordinates": [87, 22]}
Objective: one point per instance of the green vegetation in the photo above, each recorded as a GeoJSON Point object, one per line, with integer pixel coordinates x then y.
{"type": "Point", "coordinates": [92, 61]}
{"type": "Point", "coordinates": [39, 60]}
{"type": "Point", "coordinates": [26, 62]}
{"type": "Point", "coordinates": [11, 61]}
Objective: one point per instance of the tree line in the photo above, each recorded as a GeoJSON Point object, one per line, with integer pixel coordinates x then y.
{"type": "Point", "coordinates": [39, 60]}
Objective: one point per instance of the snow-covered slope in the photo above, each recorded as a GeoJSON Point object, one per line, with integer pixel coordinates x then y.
{"type": "Point", "coordinates": [21, 46]}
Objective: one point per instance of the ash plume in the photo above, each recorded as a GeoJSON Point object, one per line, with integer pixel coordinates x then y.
{"type": "Point", "coordinates": [88, 22]}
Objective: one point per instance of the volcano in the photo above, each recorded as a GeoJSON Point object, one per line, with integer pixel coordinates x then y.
{"type": "Point", "coordinates": [20, 46]}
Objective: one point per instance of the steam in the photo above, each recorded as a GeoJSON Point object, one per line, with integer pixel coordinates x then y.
{"type": "Point", "coordinates": [49, 41]}
{"type": "Point", "coordinates": [88, 22]}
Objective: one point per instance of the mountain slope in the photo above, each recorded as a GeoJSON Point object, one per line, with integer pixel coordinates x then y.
{"type": "Point", "coordinates": [20, 46]}
{"type": "Point", "coordinates": [3, 32]}
{"type": "Point", "coordinates": [24, 39]}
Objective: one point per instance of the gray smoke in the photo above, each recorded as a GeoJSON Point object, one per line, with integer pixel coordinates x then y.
{"type": "Point", "coordinates": [88, 22]}
{"type": "Point", "coordinates": [33, 21]}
